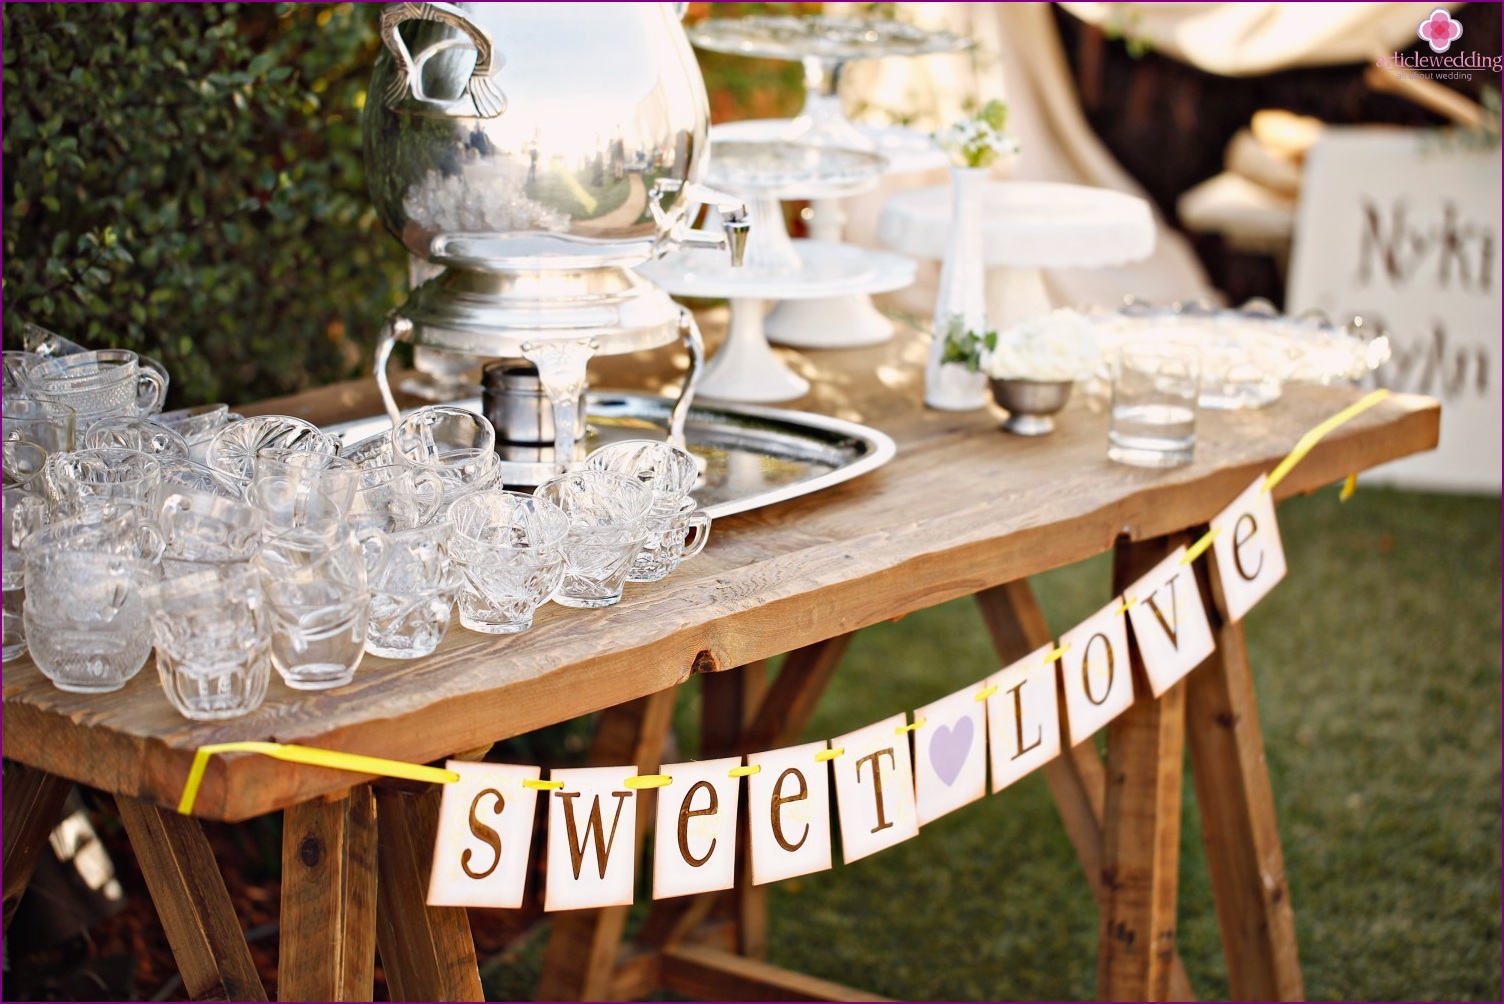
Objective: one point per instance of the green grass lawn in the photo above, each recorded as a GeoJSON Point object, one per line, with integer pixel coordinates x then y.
{"type": "Point", "coordinates": [1378, 669]}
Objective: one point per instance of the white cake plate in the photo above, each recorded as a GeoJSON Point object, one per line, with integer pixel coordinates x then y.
{"type": "Point", "coordinates": [1027, 226]}
{"type": "Point", "coordinates": [852, 320]}
{"type": "Point", "coordinates": [745, 369]}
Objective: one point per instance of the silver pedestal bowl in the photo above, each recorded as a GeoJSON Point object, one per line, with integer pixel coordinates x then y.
{"type": "Point", "coordinates": [1030, 403]}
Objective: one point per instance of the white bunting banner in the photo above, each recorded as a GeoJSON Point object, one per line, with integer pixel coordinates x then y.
{"type": "Point", "coordinates": [695, 850]}
{"type": "Point", "coordinates": [592, 839]}
{"type": "Point", "coordinates": [485, 834]}
{"type": "Point", "coordinates": [1169, 621]}
{"type": "Point", "coordinates": [1094, 668]}
{"type": "Point", "coordinates": [1250, 556]}
{"type": "Point", "coordinates": [1023, 718]}
{"type": "Point", "coordinates": [950, 754]}
{"type": "Point", "coordinates": [875, 788]}
{"type": "Point", "coordinates": [788, 813]}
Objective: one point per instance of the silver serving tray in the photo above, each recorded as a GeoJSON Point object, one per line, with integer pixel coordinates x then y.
{"type": "Point", "coordinates": [753, 457]}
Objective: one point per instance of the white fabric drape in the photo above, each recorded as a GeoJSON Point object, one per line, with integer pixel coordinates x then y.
{"type": "Point", "coordinates": [1247, 39]}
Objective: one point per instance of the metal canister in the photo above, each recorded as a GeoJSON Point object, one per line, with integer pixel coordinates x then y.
{"type": "Point", "coordinates": [513, 398]}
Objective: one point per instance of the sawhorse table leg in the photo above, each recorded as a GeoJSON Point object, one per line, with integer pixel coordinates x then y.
{"type": "Point", "coordinates": [1077, 778]}
{"type": "Point", "coordinates": [1237, 818]}
{"type": "Point", "coordinates": [581, 960]}
{"type": "Point", "coordinates": [33, 802]}
{"type": "Point", "coordinates": [328, 934]}
{"type": "Point", "coordinates": [192, 903]}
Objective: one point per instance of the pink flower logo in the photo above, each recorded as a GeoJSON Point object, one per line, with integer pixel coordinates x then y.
{"type": "Point", "coordinates": [1440, 30]}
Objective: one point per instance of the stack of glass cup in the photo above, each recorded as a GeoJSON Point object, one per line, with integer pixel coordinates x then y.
{"type": "Point", "coordinates": [235, 546]}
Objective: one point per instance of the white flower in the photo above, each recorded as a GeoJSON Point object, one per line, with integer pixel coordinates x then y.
{"type": "Point", "coordinates": [980, 140]}
{"type": "Point", "coordinates": [1056, 346]}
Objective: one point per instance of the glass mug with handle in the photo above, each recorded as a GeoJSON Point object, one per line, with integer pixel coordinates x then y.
{"type": "Point", "coordinates": [509, 550]}
{"type": "Point", "coordinates": [99, 384]}
{"type": "Point", "coordinates": [85, 616]}
{"type": "Point", "coordinates": [608, 525]}
{"type": "Point", "coordinates": [314, 580]}
{"type": "Point", "coordinates": [213, 637]}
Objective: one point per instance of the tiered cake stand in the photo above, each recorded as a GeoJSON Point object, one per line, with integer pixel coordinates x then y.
{"type": "Point", "coordinates": [824, 45]}
{"type": "Point", "coordinates": [745, 369]}
{"type": "Point", "coordinates": [1027, 226]}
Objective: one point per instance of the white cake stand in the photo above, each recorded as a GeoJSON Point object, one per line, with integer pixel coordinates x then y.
{"type": "Point", "coordinates": [844, 321]}
{"type": "Point", "coordinates": [745, 368]}
{"type": "Point", "coordinates": [1028, 226]}
{"type": "Point", "coordinates": [824, 45]}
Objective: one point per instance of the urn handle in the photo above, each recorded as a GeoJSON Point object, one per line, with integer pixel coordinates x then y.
{"type": "Point", "coordinates": [489, 101]}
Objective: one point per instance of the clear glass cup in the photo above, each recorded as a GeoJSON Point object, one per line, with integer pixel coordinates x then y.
{"type": "Point", "coordinates": [115, 527]}
{"type": "Point", "coordinates": [314, 579]}
{"type": "Point", "coordinates": [213, 638]}
{"type": "Point", "coordinates": [671, 521]}
{"type": "Point", "coordinates": [198, 421]}
{"type": "Point", "coordinates": [206, 526]}
{"type": "Point", "coordinates": [233, 448]}
{"type": "Point", "coordinates": [87, 478]}
{"type": "Point", "coordinates": [85, 617]}
{"type": "Point", "coordinates": [509, 550]}
{"type": "Point", "coordinates": [301, 471]}
{"type": "Point", "coordinates": [25, 512]}
{"type": "Point", "coordinates": [198, 425]}
{"type": "Point", "coordinates": [1154, 391]}
{"type": "Point", "coordinates": [99, 384]}
{"type": "Point", "coordinates": [17, 363]}
{"type": "Point", "coordinates": [373, 451]}
{"type": "Point", "coordinates": [431, 433]}
{"type": "Point", "coordinates": [50, 424]}
{"type": "Point", "coordinates": [608, 525]}
{"type": "Point", "coordinates": [666, 469]}
{"type": "Point", "coordinates": [140, 434]}
{"type": "Point", "coordinates": [285, 504]}
{"type": "Point", "coordinates": [464, 472]}
{"type": "Point", "coordinates": [22, 464]}
{"type": "Point", "coordinates": [413, 586]}
{"type": "Point", "coordinates": [180, 475]}
{"type": "Point", "coordinates": [396, 497]}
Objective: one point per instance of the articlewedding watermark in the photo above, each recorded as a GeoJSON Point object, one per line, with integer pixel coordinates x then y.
{"type": "Point", "coordinates": [1439, 31]}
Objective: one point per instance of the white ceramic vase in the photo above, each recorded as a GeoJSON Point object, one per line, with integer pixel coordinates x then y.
{"type": "Point", "coordinates": [962, 295]}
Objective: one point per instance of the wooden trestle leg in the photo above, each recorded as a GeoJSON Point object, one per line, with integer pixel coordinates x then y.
{"type": "Point", "coordinates": [1077, 778]}
{"type": "Point", "coordinates": [33, 802]}
{"type": "Point", "coordinates": [1141, 826]}
{"type": "Point", "coordinates": [427, 952]}
{"type": "Point", "coordinates": [329, 889]}
{"type": "Point", "coordinates": [1236, 802]}
{"type": "Point", "coordinates": [192, 903]}
{"type": "Point", "coordinates": [582, 947]}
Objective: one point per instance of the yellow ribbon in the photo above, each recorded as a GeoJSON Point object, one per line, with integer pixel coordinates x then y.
{"type": "Point", "coordinates": [542, 785]}
{"type": "Point", "coordinates": [985, 693]}
{"type": "Point", "coordinates": [1057, 653]}
{"type": "Point", "coordinates": [1349, 487]}
{"type": "Point", "coordinates": [748, 771]}
{"type": "Point", "coordinates": [900, 730]}
{"type": "Point", "coordinates": [648, 781]}
{"type": "Point", "coordinates": [356, 762]}
{"type": "Point", "coordinates": [1129, 602]}
{"type": "Point", "coordinates": [825, 755]}
{"type": "Point", "coordinates": [1197, 549]}
{"type": "Point", "coordinates": [1310, 439]}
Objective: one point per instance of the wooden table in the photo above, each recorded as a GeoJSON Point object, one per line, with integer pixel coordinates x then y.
{"type": "Point", "coordinates": [962, 510]}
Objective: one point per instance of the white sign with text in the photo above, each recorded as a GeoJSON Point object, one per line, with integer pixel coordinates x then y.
{"type": "Point", "coordinates": [1401, 229]}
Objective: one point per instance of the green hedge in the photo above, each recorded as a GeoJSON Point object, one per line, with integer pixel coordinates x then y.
{"type": "Point", "coordinates": [185, 180]}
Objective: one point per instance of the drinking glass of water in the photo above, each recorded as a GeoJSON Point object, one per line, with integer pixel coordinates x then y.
{"type": "Point", "coordinates": [1154, 389]}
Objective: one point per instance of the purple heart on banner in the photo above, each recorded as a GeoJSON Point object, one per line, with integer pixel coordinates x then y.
{"type": "Point", "coordinates": [949, 748]}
